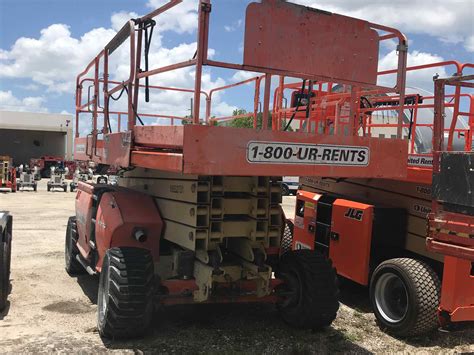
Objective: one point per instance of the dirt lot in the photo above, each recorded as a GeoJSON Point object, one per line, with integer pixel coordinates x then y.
{"type": "Point", "coordinates": [50, 311]}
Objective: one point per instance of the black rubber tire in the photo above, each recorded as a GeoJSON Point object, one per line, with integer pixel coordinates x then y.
{"type": "Point", "coordinates": [285, 191]}
{"type": "Point", "coordinates": [65, 188]}
{"type": "Point", "coordinates": [423, 291]}
{"type": "Point", "coordinates": [5, 267]}
{"type": "Point", "coordinates": [312, 282]}
{"type": "Point", "coordinates": [49, 187]}
{"type": "Point", "coordinates": [73, 267]}
{"type": "Point", "coordinates": [287, 237]}
{"type": "Point", "coordinates": [35, 187]}
{"type": "Point", "coordinates": [125, 306]}
{"type": "Point", "coordinates": [71, 188]}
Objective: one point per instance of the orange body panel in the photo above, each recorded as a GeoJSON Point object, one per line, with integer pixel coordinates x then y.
{"type": "Point", "coordinates": [270, 28]}
{"type": "Point", "coordinates": [210, 150]}
{"type": "Point", "coordinates": [118, 216]}
{"type": "Point", "coordinates": [351, 237]}
{"type": "Point", "coordinates": [84, 201]}
{"type": "Point", "coordinates": [120, 212]}
{"type": "Point", "coordinates": [457, 292]}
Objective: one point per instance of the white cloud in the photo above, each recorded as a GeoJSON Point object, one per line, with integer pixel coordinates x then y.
{"type": "Point", "coordinates": [420, 78]}
{"type": "Point", "coordinates": [234, 26]}
{"type": "Point", "coordinates": [11, 103]}
{"type": "Point", "coordinates": [30, 87]}
{"type": "Point", "coordinates": [242, 75]}
{"type": "Point", "coordinates": [56, 57]}
{"type": "Point", "coordinates": [469, 44]}
{"type": "Point", "coordinates": [181, 18]}
{"type": "Point", "coordinates": [119, 19]}
{"type": "Point", "coordinates": [450, 21]}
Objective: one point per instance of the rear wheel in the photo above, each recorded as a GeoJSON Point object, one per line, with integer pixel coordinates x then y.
{"type": "Point", "coordinates": [73, 266]}
{"type": "Point", "coordinates": [124, 304]}
{"type": "Point", "coordinates": [310, 289]}
{"type": "Point", "coordinates": [65, 188]}
{"type": "Point", "coordinates": [35, 187]}
{"type": "Point", "coordinates": [405, 295]}
{"type": "Point", "coordinates": [49, 187]}
{"type": "Point", "coordinates": [5, 263]}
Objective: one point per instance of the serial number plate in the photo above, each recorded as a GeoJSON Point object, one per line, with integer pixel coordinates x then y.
{"type": "Point", "coordinates": [308, 154]}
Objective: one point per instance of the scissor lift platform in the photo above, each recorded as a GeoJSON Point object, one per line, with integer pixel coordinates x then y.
{"type": "Point", "coordinates": [212, 150]}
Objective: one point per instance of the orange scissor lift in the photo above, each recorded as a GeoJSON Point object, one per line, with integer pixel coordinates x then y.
{"type": "Point", "coordinates": [374, 230]}
{"type": "Point", "coordinates": [196, 217]}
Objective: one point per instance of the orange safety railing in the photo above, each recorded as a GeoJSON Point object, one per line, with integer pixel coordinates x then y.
{"type": "Point", "coordinates": [101, 89]}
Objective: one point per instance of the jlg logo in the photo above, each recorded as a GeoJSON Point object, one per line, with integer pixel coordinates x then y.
{"type": "Point", "coordinates": [352, 213]}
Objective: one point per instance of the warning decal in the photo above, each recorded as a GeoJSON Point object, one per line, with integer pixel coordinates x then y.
{"type": "Point", "coordinates": [308, 154]}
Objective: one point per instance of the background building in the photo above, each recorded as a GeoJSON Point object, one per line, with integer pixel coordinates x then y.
{"type": "Point", "coordinates": [26, 135]}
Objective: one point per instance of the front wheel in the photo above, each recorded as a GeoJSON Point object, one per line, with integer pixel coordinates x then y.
{"type": "Point", "coordinates": [73, 266]}
{"type": "Point", "coordinates": [405, 295]}
{"type": "Point", "coordinates": [310, 291]}
{"type": "Point", "coordinates": [5, 263]}
{"type": "Point", "coordinates": [285, 190]}
{"type": "Point", "coordinates": [125, 293]}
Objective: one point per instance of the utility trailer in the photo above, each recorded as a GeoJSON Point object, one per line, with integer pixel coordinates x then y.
{"type": "Point", "coordinates": [7, 174]}
{"type": "Point", "coordinates": [196, 215]}
{"type": "Point", "coordinates": [374, 230]}
{"type": "Point", "coordinates": [6, 222]}
{"type": "Point", "coordinates": [451, 222]}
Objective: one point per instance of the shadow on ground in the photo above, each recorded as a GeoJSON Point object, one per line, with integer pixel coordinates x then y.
{"type": "Point", "coordinates": [254, 328]}
{"type": "Point", "coordinates": [89, 285]}
{"type": "Point", "coordinates": [257, 328]}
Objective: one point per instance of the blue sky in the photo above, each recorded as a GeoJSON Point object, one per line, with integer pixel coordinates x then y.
{"type": "Point", "coordinates": [78, 28]}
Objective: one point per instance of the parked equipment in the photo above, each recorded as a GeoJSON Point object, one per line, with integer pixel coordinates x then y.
{"type": "Point", "coordinates": [27, 178]}
{"type": "Point", "coordinates": [56, 180]}
{"type": "Point", "coordinates": [451, 223]}
{"type": "Point", "coordinates": [5, 256]}
{"type": "Point", "coordinates": [7, 174]}
{"type": "Point", "coordinates": [78, 176]}
{"type": "Point", "coordinates": [374, 230]}
{"type": "Point", "coordinates": [44, 165]}
{"type": "Point", "coordinates": [196, 215]}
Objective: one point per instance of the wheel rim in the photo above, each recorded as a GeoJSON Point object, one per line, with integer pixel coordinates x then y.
{"type": "Point", "coordinates": [391, 297]}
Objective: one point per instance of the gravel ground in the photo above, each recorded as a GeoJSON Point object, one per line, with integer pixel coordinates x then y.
{"type": "Point", "coordinates": [52, 312]}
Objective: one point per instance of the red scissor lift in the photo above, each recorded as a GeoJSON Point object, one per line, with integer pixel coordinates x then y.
{"type": "Point", "coordinates": [215, 234]}
{"type": "Point", "coordinates": [451, 223]}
